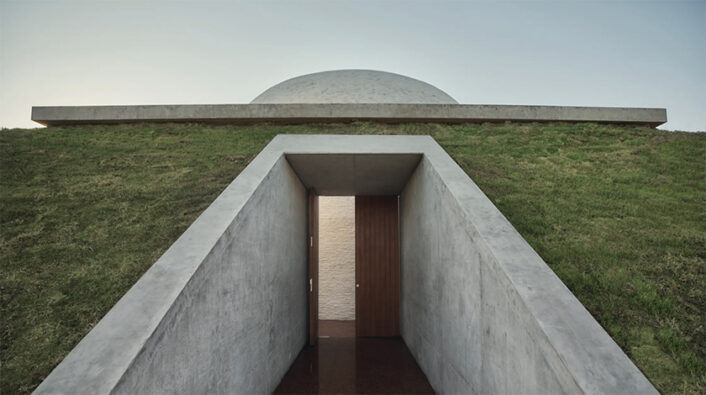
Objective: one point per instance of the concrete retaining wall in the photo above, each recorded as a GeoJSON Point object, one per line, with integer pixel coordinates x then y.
{"type": "Point", "coordinates": [462, 319]}
{"type": "Point", "coordinates": [240, 321]}
{"type": "Point", "coordinates": [224, 309]}
{"type": "Point", "coordinates": [231, 322]}
{"type": "Point", "coordinates": [480, 310]}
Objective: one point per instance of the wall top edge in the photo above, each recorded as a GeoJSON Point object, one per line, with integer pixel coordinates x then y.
{"type": "Point", "coordinates": [337, 105]}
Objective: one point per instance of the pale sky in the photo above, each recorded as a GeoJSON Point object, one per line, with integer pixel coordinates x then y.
{"type": "Point", "coordinates": [589, 53]}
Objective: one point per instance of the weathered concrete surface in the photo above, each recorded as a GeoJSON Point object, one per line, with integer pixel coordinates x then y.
{"type": "Point", "coordinates": [240, 321]}
{"type": "Point", "coordinates": [337, 258]}
{"type": "Point", "coordinates": [480, 310]}
{"type": "Point", "coordinates": [354, 86]}
{"type": "Point", "coordinates": [332, 112]}
{"type": "Point", "coordinates": [222, 311]}
{"type": "Point", "coordinates": [462, 319]}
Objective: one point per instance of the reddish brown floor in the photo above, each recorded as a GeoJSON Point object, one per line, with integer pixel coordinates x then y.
{"type": "Point", "coordinates": [332, 328]}
{"type": "Point", "coordinates": [350, 365]}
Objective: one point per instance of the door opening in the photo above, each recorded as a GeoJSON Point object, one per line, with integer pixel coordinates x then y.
{"type": "Point", "coordinates": [354, 266]}
{"type": "Point", "coordinates": [336, 266]}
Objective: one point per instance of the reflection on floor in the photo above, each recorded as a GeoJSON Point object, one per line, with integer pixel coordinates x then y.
{"type": "Point", "coordinates": [344, 364]}
{"type": "Point", "coordinates": [333, 328]}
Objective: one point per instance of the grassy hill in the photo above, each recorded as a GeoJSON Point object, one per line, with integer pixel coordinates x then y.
{"type": "Point", "coordinates": [619, 213]}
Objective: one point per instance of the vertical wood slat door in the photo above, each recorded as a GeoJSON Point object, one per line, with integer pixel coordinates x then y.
{"type": "Point", "coordinates": [377, 267]}
{"type": "Point", "coordinates": [313, 241]}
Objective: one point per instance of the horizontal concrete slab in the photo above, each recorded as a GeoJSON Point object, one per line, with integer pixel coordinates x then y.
{"type": "Point", "coordinates": [307, 112]}
{"type": "Point", "coordinates": [354, 174]}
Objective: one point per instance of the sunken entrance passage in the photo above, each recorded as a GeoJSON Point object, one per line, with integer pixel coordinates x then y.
{"type": "Point", "coordinates": [354, 346]}
{"type": "Point", "coordinates": [225, 309]}
{"type": "Point", "coordinates": [376, 180]}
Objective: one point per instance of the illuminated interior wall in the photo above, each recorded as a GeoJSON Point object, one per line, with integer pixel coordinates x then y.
{"type": "Point", "coordinates": [336, 258]}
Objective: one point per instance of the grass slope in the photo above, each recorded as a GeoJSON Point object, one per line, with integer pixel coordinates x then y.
{"type": "Point", "coordinates": [617, 212]}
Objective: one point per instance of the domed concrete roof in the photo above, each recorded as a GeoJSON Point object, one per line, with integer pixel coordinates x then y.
{"type": "Point", "coordinates": [354, 86]}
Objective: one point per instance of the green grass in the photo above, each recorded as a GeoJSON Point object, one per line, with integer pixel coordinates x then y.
{"type": "Point", "coordinates": [619, 213]}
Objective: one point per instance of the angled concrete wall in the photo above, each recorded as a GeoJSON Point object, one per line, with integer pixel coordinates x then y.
{"type": "Point", "coordinates": [461, 318]}
{"type": "Point", "coordinates": [222, 311]}
{"type": "Point", "coordinates": [241, 319]}
{"type": "Point", "coordinates": [480, 310]}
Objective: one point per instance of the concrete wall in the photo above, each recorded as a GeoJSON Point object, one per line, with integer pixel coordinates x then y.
{"type": "Point", "coordinates": [229, 321]}
{"type": "Point", "coordinates": [463, 315]}
{"type": "Point", "coordinates": [337, 258]}
{"type": "Point", "coordinates": [223, 310]}
{"type": "Point", "coordinates": [462, 322]}
{"type": "Point", "coordinates": [241, 320]}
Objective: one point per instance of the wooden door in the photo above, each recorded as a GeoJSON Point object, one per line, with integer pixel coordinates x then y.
{"type": "Point", "coordinates": [377, 268]}
{"type": "Point", "coordinates": [313, 267]}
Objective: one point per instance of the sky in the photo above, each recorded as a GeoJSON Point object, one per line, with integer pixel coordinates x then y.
{"type": "Point", "coordinates": [573, 53]}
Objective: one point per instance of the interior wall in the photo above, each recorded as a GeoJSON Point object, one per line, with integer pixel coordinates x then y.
{"type": "Point", "coordinates": [337, 258]}
{"type": "Point", "coordinates": [460, 315]}
{"type": "Point", "coordinates": [241, 320]}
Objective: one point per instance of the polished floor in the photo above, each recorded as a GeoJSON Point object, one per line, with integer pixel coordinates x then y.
{"type": "Point", "coordinates": [333, 328]}
{"type": "Point", "coordinates": [344, 364]}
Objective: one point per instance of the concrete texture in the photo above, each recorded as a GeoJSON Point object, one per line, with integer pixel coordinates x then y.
{"type": "Point", "coordinates": [354, 174]}
{"type": "Point", "coordinates": [222, 311]}
{"type": "Point", "coordinates": [240, 320]}
{"type": "Point", "coordinates": [347, 112]}
{"type": "Point", "coordinates": [480, 310]}
{"type": "Point", "coordinates": [354, 86]}
{"type": "Point", "coordinates": [337, 258]}
{"type": "Point", "coordinates": [474, 335]}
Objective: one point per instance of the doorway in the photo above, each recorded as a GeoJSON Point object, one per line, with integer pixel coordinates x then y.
{"type": "Point", "coordinates": [354, 266]}
{"type": "Point", "coordinates": [336, 303]}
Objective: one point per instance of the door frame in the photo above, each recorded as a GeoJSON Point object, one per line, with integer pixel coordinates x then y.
{"type": "Point", "coordinates": [313, 277]}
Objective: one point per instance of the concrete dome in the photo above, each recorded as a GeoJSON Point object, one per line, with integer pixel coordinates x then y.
{"type": "Point", "coordinates": [353, 86]}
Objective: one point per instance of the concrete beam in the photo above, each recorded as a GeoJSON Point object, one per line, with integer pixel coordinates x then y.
{"type": "Point", "coordinates": [354, 174]}
{"type": "Point", "coordinates": [307, 113]}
